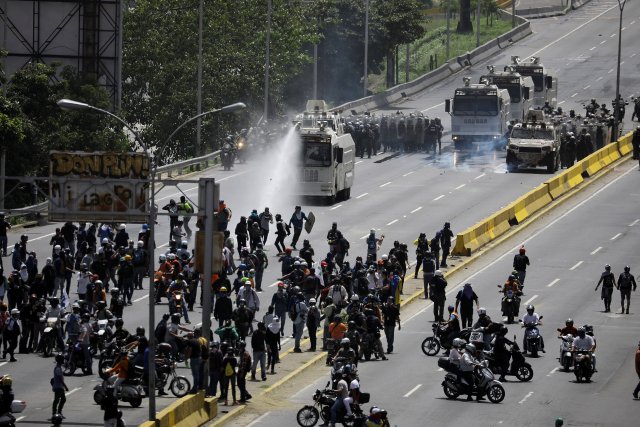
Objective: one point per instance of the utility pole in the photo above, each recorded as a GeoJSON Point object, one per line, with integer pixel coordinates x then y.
{"type": "Point", "coordinates": [265, 112]}
{"type": "Point", "coordinates": [199, 91]}
{"type": "Point", "coordinates": [616, 112]}
{"type": "Point", "coordinates": [478, 25]}
{"type": "Point", "coordinates": [406, 63]}
{"type": "Point", "coordinates": [366, 48]}
{"type": "Point", "coordinates": [448, 27]}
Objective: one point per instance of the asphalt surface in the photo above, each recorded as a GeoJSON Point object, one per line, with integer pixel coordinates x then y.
{"type": "Point", "coordinates": [400, 196]}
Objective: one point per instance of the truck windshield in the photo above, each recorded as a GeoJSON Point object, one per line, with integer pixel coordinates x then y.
{"type": "Point", "coordinates": [514, 91]}
{"type": "Point", "coordinates": [475, 105]}
{"type": "Point", "coordinates": [317, 155]}
{"type": "Point", "coordinates": [522, 133]}
{"type": "Point", "coordinates": [538, 82]}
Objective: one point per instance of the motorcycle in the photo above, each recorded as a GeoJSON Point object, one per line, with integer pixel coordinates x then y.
{"type": "Point", "coordinates": [309, 415]}
{"type": "Point", "coordinates": [518, 366]}
{"type": "Point", "coordinates": [175, 303]}
{"type": "Point", "coordinates": [74, 359]}
{"type": "Point", "coordinates": [7, 419]}
{"type": "Point", "coordinates": [532, 339]}
{"type": "Point", "coordinates": [369, 346]}
{"type": "Point", "coordinates": [178, 385]}
{"type": "Point", "coordinates": [227, 156]}
{"type": "Point", "coordinates": [583, 365]}
{"type": "Point", "coordinates": [130, 391]}
{"type": "Point", "coordinates": [108, 357]}
{"type": "Point", "coordinates": [566, 356]}
{"type": "Point", "coordinates": [241, 149]}
{"type": "Point", "coordinates": [50, 335]}
{"type": "Point", "coordinates": [510, 305]}
{"type": "Point", "coordinates": [453, 386]}
{"type": "Point", "coordinates": [102, 333]}
{"type": "Point", "coordinates": [431, 345]}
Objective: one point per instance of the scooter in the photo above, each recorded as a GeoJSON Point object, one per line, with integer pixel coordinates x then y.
{"type": "Point", "coordinates": [453, 386]}
{"type": "Point", "coordinates": [175, 303]}
{"type": "Point", "coordinates": [532, 339]}
{"type": "Point", "coordinates": [50, 335]}
{"type": "Point", "coordinates": [510, 305]}
{"type": "Point", "coordinates": [566, 356]}
{"type": "Point", "coordinates": [518, 366]}
{"type": "Point", "coordinates": [130, 391]}
{"type": "Point", "coordinates": [583, 365]}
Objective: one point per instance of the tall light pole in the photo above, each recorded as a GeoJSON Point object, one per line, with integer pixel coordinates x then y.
{"type": "Point", "coordinates": [199, 91]}
{"type": "Point", "coordinates": [266, 63]}
{"type": "Point", "coordinates": [616, 112]}
{"type": "Point", "coordinates": [448, 27]}
{"type": "Point", "coordinates": [68, 104]}
{"type": "Point", "coordinates": [366, 48]}
{"type": "Point", "coordinates": [478, 24]}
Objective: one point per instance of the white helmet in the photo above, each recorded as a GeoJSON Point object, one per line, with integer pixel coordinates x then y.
{"type": "Point", "coordinates": [105, 241]}
{"type": "Point", "coordinates": [385, 257]}
{"type": "Point", "coordinates": [163, 258]}
{"type": "Point", "coordinates": [15, 311]}
{"type": "Point", "coordinates": [458, 342]}
{"type": "Point", "coordinates": [438, 273]}
{"type": "Point", "coordinates": [140, 244]}
{"type": "Point", "coordinates": [57, 248]}
{"type": "Point", "coordinates": [355, 297]}
{"type": "Point", "coordinates": [482, 311]}
{"type": "Point", "coordinates": [122, 226]}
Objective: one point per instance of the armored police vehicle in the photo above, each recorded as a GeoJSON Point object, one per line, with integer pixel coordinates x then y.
{"type": "Point", "coordinates": [479, 113]}
{"type": "Point", "coordinates": [533, 143]}
{"type": "Point", "coordinates": [327, 155]}
{"type": "Point", "coordinates": [519, 89]}
{"type": "Point", "coordinates": [545, 85]}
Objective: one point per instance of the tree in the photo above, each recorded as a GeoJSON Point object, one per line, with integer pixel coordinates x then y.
{"type": "Point", "coordinates": [465, 25]}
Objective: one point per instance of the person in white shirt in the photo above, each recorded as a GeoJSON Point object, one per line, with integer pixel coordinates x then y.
{"type": "Point", "coordinates": [583, 342]}
{"type": "Point", "coordinates": [354, 393]}
{"type": "Point", "coordinates": [342, 393]}
{"type": "Point", "coordinates": [532, 317]}
{"type": "Point", "coordinates": [84, 276]}
{"type": "Point", "coordinates": [467, 365]}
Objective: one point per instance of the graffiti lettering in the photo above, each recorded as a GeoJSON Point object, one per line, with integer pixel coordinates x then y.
{"type": "Point", "coordinates": [99, 165]}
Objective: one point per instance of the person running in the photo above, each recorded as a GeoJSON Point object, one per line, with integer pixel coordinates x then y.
{"type": "Point", "coordinates": [59, 387]}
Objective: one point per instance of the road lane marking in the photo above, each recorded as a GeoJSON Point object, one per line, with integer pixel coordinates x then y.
{"type": "Point", "coordinates": [561, 102]}
{"type": "Point", "coordinates": [3, 363]}
{"type": "Point", "coordinates": [412, 390]}
{"type": "Point", "coordinates": [610, 71]}
{"type": "Point", "coordinates": [622, 63]}
{"type": "Point", "coordinates": [574, 95]}
{"type": "Point", "coordinates": [408, 173]}
{"type": "Point", "coordinates": [577, 264]}
{"type": "Point", "coordinates": [460, 186]}
{"type": "Point", "coordinates": [526, 397]}
{"type": "Point", "coordinates": [616, 236]}
{"type": "Point", "coordinates": [612, 35]}
{"type": "Point", "coordinates": [359, 161]}
{"type": "Point", "coordinates": [593, 48]}
{"type": "Point", "coordinates": [392, 222]}
{"type": "Point", "coordinates": [364, 237]}
{"type": "Point", "coordinates": [385, 184]}
{"type": "Point", "coordinates": [335, 207]}
{"type": "Point", "coordinates": [439, 197]}
{"type": "Point", "coordinates": [599, 78]}
{"type": "Point", "coordinates": [553, 371]}
{"type": "Point", "coordinates": [530, 299]}
{"type": "Point", "coordinates": [72, 391]}
{"type": "Point", "coordinates": [595, 251]}
{"type": "Point", "coordinates": [603, 42]}
{"type": "Point", "coordinates": [431, 108]}
{"type": "Point", "coordinates": [634, 222]}
{"type": "Point", "coordinates": [632, 22]}
{"type": "Point", "coordinates": [416, 209]}
{"type": "Point", "coordinates": [141, 298]}
{"type": "Point", "coordinates": [417, 314]}
{"type": "Point", "coordinates": [479, 176]}
{"type": "Point", "coordinates": [571, 32]}
{"type": "Point", "coordinates": [624, 28]}
{"type": "Point", "coordinates": [362, 195]}
{"type": "Point", "coordinates": [257, 420]}
{"type": "Point", "coordinates": [41, 237]}
{"type": "Point", "coordinates": [586, 87]}
{"type": "Point", "coordinates": [553, 283]}
{"type": "Point", "coordinates": [632, 55]}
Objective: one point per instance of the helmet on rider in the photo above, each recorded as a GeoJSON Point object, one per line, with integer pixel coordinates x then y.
{"type": "Point", "coordinates": [438, 273]}
{"type": "Point", "coordinates": [459, 342]}
{"type": "Point", "coordinates": [470, 348]}
{"type": "Point", "coordinates": [115, 291]}
{"type": "Point", "coordinates": [242, 301]}
{"type": "Point", "coordinates": [355, 298]}
{"type": "Point", "coordinates": [482, 312]}
{"type": "Point", "coordinates": [140, 331]}
{"type": "Point", "coordinates": [627, 269]}
{"type": "Point", "coordinates": [530, 309]}
{"type": "Point", "coordinates": [184, 244]}
{"type": "Point", "coordinates": [451, 309]}
{"type": "Point", "coordinates": [607, 267]}
{"type": "Point", "coordinates": [223, 289]}
{"type": "Point", "coordinates": [345, 342]}
{"type": "Point", "coordinates": [175, 317]}
{"type": "Point", "coordinates": [512, 277]}
{"type": "Point", "coordinates": [581, 332]}
{"type": "Point", "coordinates": [568, 322]}
{"type": "Point", "coordinates": [59, 359]}
{"type": "Point", "coordinates": [162, 258]}
{"type": "Point", "coordinates": [140, 244]}
{"type": "Point", "coordinates": [100, 305]}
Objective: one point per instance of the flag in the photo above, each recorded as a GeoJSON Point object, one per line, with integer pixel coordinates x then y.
{"type": "Point", "coordinates": [64, 301]}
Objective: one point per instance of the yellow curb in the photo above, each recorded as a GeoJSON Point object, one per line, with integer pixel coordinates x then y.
{"type": "Point", "coordinates": [228, 416]}
{"type": "Point", "coordinates": [294, 373]}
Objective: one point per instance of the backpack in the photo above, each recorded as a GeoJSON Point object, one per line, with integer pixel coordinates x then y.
{"type": "Point", "coordinates": [187, 207]}
{"type": "Point", "coordinates": [138, 257]}
{"type": "Point", "coordinates": [344, 244]}
{"type": "Point", "coordinates": [160, 331]}
{"type": "Point", "coordinates": [228, 370]}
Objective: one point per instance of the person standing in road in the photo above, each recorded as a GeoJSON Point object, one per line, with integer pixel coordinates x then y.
{"type": "Point", "coordinates": [297, 220]}
{"type": "Point", "coordinates": [110, 407]}
{"type": "Point", "coordinates": [229, 365]}
{"type": "Point", "coordinates": [464, 302]}
{"type": "Point", "coordinates": [422, 247]}
{"type": "Point", "coordinates": [520, 263]}
{"type": "Point", "coordinates": [635, 143]}
{"type": "Point", "coordinates": [445, 242]}
{"type": "Point", "coordinates": [185, 208]}
{"type": "Point", "coordinates": [608, 281]}
{"type": "Point", "coordinates": [258, 345]}
{"type": "Point", "coordinates": [625, 282]}
{"type": "Point", "coordinates": [299, 318]}
{"type": "Point", "coordinates": [215, 369]}
{"type": "Point", "coordinates": [244, 366]}
{"type": "Point", "coordinates": [266, 218]}
{"type": "Point", "coordinates": [391, 314]}
{"type": "Point", "coordinates": [172, 208]}
{"type": "Point", "coordinates": [193, 352]}
{"type": "Point", "coordinates": [242, 232]}
{"type": "Point", "coordinates": [637, 389]}
{"type": "Point", "coordinates": [313, 322]}
{"type": "Point", "coordinates": [438, 295]}
{"type": "Point", "coordinates": [4, 226]}
{"type": "Point", "coordinates": [428, 270]}
{"type": "Point", "coordinates": [58, 386]}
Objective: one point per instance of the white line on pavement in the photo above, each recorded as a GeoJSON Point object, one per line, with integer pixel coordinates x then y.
{"type": "Point", "coordinates": [586, 87]}
{"type": "Point", "coordinates": [593, 48]}
{"type": "Point", "coordinates": [41, 237]}
{"type": "Point", "coordinates": [435, 106]}
{"type": "Point", "coordinates": [408, 173]}
{"type": "Point", "coordinates": [364, 237]}
{"type": "Point", "coordinates": [416, 209]}
{"type": "Point", "coordinates": [418, 313]}
{"type": "Point", "coordinates": [530, 299]}
{"type": "Point", "coordinates": [362, 195]}
{"type": "Point", "coordinates": [3, 363]}
{"type": "Point", "coordinates": [335, 207]}
{"type": "Point", "coordinates": [634, 222]}
{"type": "Point", "coordinates": [616, 236]}
{"type": "Point", "coordinates": [412, 390]}
{"type": "Point", "coordinates": [632, 22]}
{"type": "Point", "coordinates": [392, 222]}
{"type": "Point", "coordinates": [612, 35]}
{"type": "Point", "coordinates": [599, 78]}
{"type": "Point", "coordinates": [553, 371]}
{"type": "Point", "coordinates": [553, 283]}
{"type": "Point", "coordinates": [610, 71]}
{"type": "Point", "coordinates": [622, 63]}
{"type": "Point", "coordinates": [577, 264]}
{"type": "Point", "coordinates": [479, 176]}
{"type": "Point", "coordinates": [439, 197]}
{"type": "Point", "coordinates": [460, 186]}
{"type": "Point", "coordinates": [575, 94]}
{"type": "Point", "coordinates": [72, 391]}
{"type": "Point", "coordinates": [385, 184]}
{"type": "Point", "coordinates": [526, 397]}
{"type": "Point", "coordinates": [596, 250]}
{"type": "Point", "coordinates": [21, 418]}
{"type": "Point", "coordinates": [603, 42]}
{"type": "Point", "coordinates": [358, 162]}
{"type": "Point", "coordinates": [141, 298]}
{"type": "Point", "coordinates": [257, 420]}
{"type": "Point", "coordinates": [624, 28]}
{"type": "Point", "coordinates": [561, 102]}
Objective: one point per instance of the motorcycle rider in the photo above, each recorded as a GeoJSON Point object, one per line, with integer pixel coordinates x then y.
{"type": "Point", "coordinates": [625, 283]}
{"type": "Point", "coordinates": [485, 323]}
{"type": "Point", "coordinates": [608, 281]}
{"type": "Point", "coordinates": [116, 306]}
{"type": "Point", "coordinates": [520, 263]}
{"type": "Point", "coordinates": [583, 342]}
{"type": "Point", "coordinates": [120, 371]}
{"type": "Point", "coordinates": [373, 327]}
{"type": "Point", "coordinates": [510, 285]}
{"type": "Point", "coordinates": [568, 329]}
{"type": "Point", "coordinates": [531, 317]}
{"type": "Point", "coordinates": [83, 339]}
{"type": "Point", "coordinates": [354, 389]}
{"type": "Point", "coordinates": [467, 364]}
{"type": "Point", "coordinates": [500, 351]}
{"type": "Point", "coordinates": [453, 325]}
{"type": "Point", "coordinates": [346, 352]}
{"type": "Point", "coordinates": [179, 286]}
{"type": "Point", "coordinates": [342, 392]}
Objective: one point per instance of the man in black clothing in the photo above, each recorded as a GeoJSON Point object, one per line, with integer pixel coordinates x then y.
{"type": "Point", "coordinates": [625, 282]}
{"type": "Point", "coordinates": [4, 226]}
{"type": "Point", "coordinates": [445, 242]}
{"type": "Point", "coordinates": [464, 300]}
{"type": "Point", "coordinates": [391, 314]}
{"type": "Point", "coordinates": [608, 281]}
{"type": "Point", "coordinates": [520, 263]}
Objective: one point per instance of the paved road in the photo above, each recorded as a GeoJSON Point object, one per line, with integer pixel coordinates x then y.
{"type": "Point", "coordinates": [400, 196]}
{"type": "Point", "coordinates": [568, 251]}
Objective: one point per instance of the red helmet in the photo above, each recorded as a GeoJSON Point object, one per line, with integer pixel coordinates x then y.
{"type": "Point", "coordinates": [281, 284]}
{"type": "Point", "coordinates": [522, 250]}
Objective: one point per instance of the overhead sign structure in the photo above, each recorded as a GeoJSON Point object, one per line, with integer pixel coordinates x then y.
{"type": "Point", "coordinates": [98, 186]}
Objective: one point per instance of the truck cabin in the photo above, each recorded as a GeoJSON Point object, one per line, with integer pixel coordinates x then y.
{"type": "Point", "coordinates": [509, 80]}
{"type": "Point", "coordinates": [533, 69]}
{"type": "Point", "coordinates": [532, 131]}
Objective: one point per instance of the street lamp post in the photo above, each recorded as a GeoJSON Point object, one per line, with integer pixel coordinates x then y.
{"type": "Point", "coordinates": [366, 48]}
{"type": "Point", "coordinates": [68, 104]}
{"type": "Point", "coordinates": [267, 63]}
{"type": "Point", "coordinates": [616, 112]}
{"type": "Point", "coordinates": [448, 27]}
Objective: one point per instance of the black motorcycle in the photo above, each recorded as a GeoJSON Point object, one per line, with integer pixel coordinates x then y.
{"type": "Point", "coordinates": [431, 345]}
{"type": "Point", "coordinates": [227, 156]}
{"type": "Point", "coordinates": [309, 415]}
{"type": "Point", "coordinates": [369, 347]}
{"type": "Point", "coordinates": [518, 366]}
{"type": "Point", "coordinates": [510, 305]}
{"type": "Point", "coordinates": [74, 359]}
{"type": "Point", "coordinates": [583, 365]}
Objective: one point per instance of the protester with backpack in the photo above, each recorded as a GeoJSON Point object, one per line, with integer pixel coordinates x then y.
{"type": "Point", "coordinates": [184, 207]}
{"type": "Point", "coordinates": [464, 300]}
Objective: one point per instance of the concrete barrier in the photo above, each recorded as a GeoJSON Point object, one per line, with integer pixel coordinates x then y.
{"type": "Point", "coordinates": [575, 4]}
{"type": "Point", "coordinates": [611, 153]}
{"type": "Point", "coordinates": [624, 144]}
{"type": "Point", "coordinates": [530, 203]}
{"type": "Point", "coordinates": [564, 181]}
{"type": "Point", "coordinates": [483, 52]}
{"type": "Point", "coordinates": [192, 410]}
{"type": "Point", "coordinates": [482, 233]}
